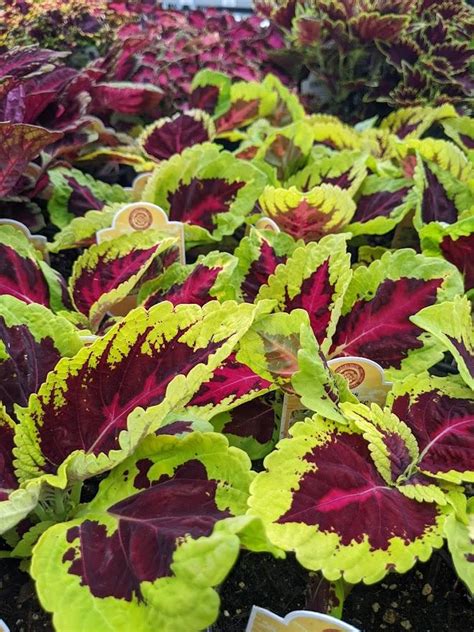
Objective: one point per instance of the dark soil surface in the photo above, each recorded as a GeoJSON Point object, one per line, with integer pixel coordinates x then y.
{"type": "Point", "coordinates": [427, 599]}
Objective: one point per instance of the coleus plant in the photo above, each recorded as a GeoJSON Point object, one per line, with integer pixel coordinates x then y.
{"type": "Point", "coordinates": [62, 440]}
{"type": "Point", "coordinates": [406, 463]}
{"type": "Point", "coordinates": [25, 275]}
{"type": "Point", "coordinates": [414, 52]}
{"type": "Point", "coordinates": [167, 48]}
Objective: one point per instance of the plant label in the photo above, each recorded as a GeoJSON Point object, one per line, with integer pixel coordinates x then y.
{"type": "Point", "coordinates": [140, 216]}
{"type": "Point", "coordinates": [266, 223]}
{"type": "Point", "coordinates": [365, 377]}
{"type": "Point", "coordinates": [262, 620]}
{"type": "Point", "coordinates": [366, 381]}
{"type": "Point", "coordinates": [3, 626]}
{"type": "Point", "coordinates": [39, 241]}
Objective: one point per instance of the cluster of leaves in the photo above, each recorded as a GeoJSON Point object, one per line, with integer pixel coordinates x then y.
{"type": "Point", "coordinates": [167, 48]}
{"type": "Point", "coordinates": [400, 52]}
{"type": "Point", "coordinates": [83, 27]}
{"type": "Point", "coordinates": [127, 437]}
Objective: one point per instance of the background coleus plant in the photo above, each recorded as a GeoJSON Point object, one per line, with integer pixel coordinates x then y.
{"type": "Point", "coordinates": [415, 52]}
{"type": "Point", "coordinates": [83, 28]}
{"type": "Point", "coordinates": [167, 48]}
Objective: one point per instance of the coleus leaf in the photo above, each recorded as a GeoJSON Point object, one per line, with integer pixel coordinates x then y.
{"type": "Point", "coordinates": [308, 215]}
{"type": "Point", "coordinates": [81, 231]}
{"type": "Point", "coordinates": [232, 385]}
{"type": "Point", "coordinates": [270, 347]}
{"type": "Point", "coordinates": [282, 349]}
{"type": "Point", "coordinates": [252, 138]}
{"type": "Point", "coordinates": [345, 169]}
{"type": "Point", "coordinates": [288, 108]}
{"type": "Point", "coordinates": [129, 154]}
{"type": "Point", "coordinates": [318, 388]}
{"type": "Point", "coordinates": [314, 278]}
{"type": "Point", "coordinates": [210, 91]}
{"type": "Point", "coordinates": [381, 204]}
{"type": "Point", "coordinates": [395, 452]}
{"type": "Point", "coordinates": [378, 305]}
{"type": "Point", "coordinates": [126, 98]}
{"type": "Point", "coordinates": [106, 273]}
{"type": "Point", "coordinates": [392, 445]}
{"type": "Point", "coordinates": [258, 256]}
{"type": "Point", "coordinates": [454, 242]}
{"type": "Point", "coordinates": [19, 145]}
{"type": "Point", "coordinates": [330, 132]}
{"type": "Point", "coordinates": [210, 191]}
{"type": "Point", "coordinates": [15, 502]}
{"type": "Point", "coordinates": [169, 136]}
{"type": "Point", "coordinates": [461, 130]}
{"type": "Point", "coordinates": [23, 274]}
{"type": "Point", "coordinates": [204, 281]}
{"type": "Point", "coordinates": [249, 101]}
{"type": "Point", "coordinates": [252, 427]}
{"type": "Point", "coordinates": [413, 122]}
{"type": "Point", "coordinates": [287, 149]}
{"type": "Point", "coordinates": [93, 409]}
{"type": "Point", "coordinates": [325, 513]}
{"type": "Point", "coordinates": [451, 324]}
{"type": "Point", "coordinates": [32, 340]}
{"type": "Point", "coordinates": [440, 414]}
{"type": "Point", "coordinates": [74, 193]}
{"type": "Point", "coordinates": [442, 175]}
{"type": "Point", "coordinates": [23, 210]}
{"type": "Point", "coordinates": [460, 536]}
{"type": "Point", "coordinates": [164, 529]}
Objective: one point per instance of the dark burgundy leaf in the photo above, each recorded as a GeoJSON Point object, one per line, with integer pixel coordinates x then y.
{"type": "Point", "coordinates": [150, 524]}
{"type": "Point", "coordinates": [436, 206]}
{"type": "Point", "coordinates": [443, 427]}
{"type": "Point", "coordinates": [195, 289]}
{"type": "Point", "coordinates": [21, 277]}
{"type": "Point", "coordinates": [198, 201]}
{"type": "Point", "coordinates": [344, 492]}
{"type": "Point", "coordinates": [315, 297]}
{"type": "Point", "coordinates": [27, 366]}
{"type": "Point", "coordinates": [231, 379]}
{"type": "Point", "coordinates": [174, 135]}
{"type": "Point", "coordinates": [380, 328]}
{"type": "Point", "coordinates": [378, 204]}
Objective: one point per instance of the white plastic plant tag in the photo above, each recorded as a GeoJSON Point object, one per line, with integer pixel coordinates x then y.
{"type": "Point", "coordinates": [3, 626]}
{"type": "Point", "coordinates": [365, 377]}
{"type": "Point", "coordinates": [39, 241]}
{"type": "Point", "coordinates": [266, 223]}
{"type": "Point", "coordinates": [262, 620]}
{"type": "Point", "coordinates": [366, 381]}
{"type": "Point", "coordinates": [140, 216]}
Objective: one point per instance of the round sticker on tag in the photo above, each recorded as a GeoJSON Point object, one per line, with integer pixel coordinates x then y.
{"type": "Point", "coordinates": [140, 218]}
